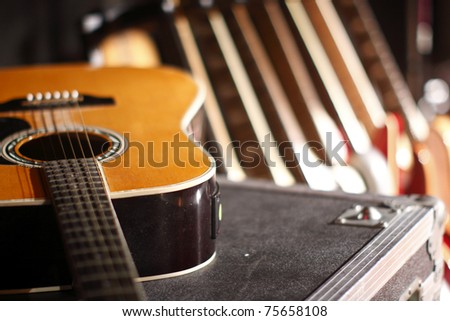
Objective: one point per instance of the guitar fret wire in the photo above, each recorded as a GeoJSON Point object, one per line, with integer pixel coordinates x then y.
{"type": "Point", "coordinates": [80, 250]}
{"type": "Point", "coordinates": [63, 171]}
{"type": "Point", "coordinates": [98, 254]}
{"type": "Point", "coordinates": [88, 239]}
{"type": "Point", "coordinates": [95, 208]}
{"type": "Point", "coordinates": [101, 267]}
{"type": "Point", "coordinates": [84, 229]}
{"type": "Point", "coordinates": [82, 222]}
{"type": "Point", "coordinates": [84, 255]}
{"type": "Point", "coordinates": [88, 251]}
{"type": "Point", "coordinates": [87, 185]}
{"type": "Point", "coordinates": [109, 241]}
{"type": "Point", "coordinates": [93, 184]}
{"type": "Point", "coordinates": [80, 185]}
{"type": "Point", "coordinates": [73, 227]}
{"type": "Point", "coordinates": [64, 175]}
{"type": "Point", "coordinates": [67, 196]}
{"type": "Point", "coordinates": [69, 221]}
{"type": "Point", "coordinates": [87, 233]}
{"type": "Point", "coordinates": [80, 198]}
{"type": "Point", "coordinates": [88, 229]}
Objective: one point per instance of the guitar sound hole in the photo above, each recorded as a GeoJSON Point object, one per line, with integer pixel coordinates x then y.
{"type": "Point", "coordinates": [64, 145]}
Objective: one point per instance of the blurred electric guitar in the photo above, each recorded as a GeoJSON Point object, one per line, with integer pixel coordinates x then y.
{"type": "Point", "coordinates": [108, 149]}
{"type": "Point", "coordinates": [430, 173]}
{"type": "Point", "coordinates": [341, 39]}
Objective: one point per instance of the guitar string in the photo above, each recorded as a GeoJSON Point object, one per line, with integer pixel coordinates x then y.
{"type": "Point", "coordinates": [77, 199]}
{"type": "Point", "coordinates": [43, 115]}
{"type": "Point", "coordinates": [111, 246]}
{"type": "Point", "coordinates": [46, 131]}
{"type": "Point", "coordinates": [54, 122]}
{"type": "Point", "coordinates": [59, 134]}
{"type": "Point", "coordinates": [34, 122]}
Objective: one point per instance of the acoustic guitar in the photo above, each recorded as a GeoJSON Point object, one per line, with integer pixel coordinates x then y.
{"type": "Point", "coordinates": [102, 184]}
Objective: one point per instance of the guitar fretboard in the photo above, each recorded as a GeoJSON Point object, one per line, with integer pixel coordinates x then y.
{"type": "Point", "coordinates": [97, 253]}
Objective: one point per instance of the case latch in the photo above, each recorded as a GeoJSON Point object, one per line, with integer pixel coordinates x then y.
{"type": "Point", "coordinates": [367, 216]}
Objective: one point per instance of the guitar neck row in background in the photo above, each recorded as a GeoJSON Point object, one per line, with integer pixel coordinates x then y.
{"type": "Point", "coordinates": [297, 92]}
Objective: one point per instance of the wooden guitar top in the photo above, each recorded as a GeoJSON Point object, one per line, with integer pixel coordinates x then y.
{"type": "Point", "coordinates": [152, 108]}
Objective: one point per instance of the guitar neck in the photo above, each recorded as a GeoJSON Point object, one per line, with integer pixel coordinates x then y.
{"type": "Point", "coordinates": [346, 62]}
{"type": "Point", "coordinates": [357, 135]}
{"type": "Point", "coordinates": [381, 66]}
{"type": "Point", "coordinates": [96, 250]}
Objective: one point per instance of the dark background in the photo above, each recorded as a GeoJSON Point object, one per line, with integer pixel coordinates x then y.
{"type": "Point", "coordinates": [49, 31]}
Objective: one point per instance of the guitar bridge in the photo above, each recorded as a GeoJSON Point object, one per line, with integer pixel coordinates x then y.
{"type": "Point", "coordinates": [57, 99]}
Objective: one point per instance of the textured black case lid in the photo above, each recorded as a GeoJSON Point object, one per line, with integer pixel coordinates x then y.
{"type": "Point", "coordinates": [275, 244]}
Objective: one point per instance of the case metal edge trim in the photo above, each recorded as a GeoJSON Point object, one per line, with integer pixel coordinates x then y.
{"type": "Point", "coordinates": [373, 265]}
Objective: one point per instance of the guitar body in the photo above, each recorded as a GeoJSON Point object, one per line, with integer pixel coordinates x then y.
{"type": "Point", "coordinates": [161, 184]}
{"type": "Point", "coordinates": [165, 239]}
